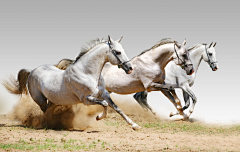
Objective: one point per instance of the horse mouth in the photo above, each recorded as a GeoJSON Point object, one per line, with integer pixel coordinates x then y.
{"type": "Point", "coordinates": [215, 69]}
{"type": "Point", "coordinates": [191, 72]}
{"type": "Point", "coordinates": [130, 71]}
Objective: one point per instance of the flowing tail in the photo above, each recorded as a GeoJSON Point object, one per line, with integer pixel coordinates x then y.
{"type": "Point", "coordinates": [19, 86]}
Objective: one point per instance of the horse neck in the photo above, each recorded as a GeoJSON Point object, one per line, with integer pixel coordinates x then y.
{"type": "Point", "coordinates": [196, 57]}
{"type": "Point", "coordinates": [93, 61]}
{"type": "Point", "coordinates": [162, 55]}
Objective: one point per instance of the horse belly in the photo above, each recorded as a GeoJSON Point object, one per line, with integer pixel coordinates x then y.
{"type": "Point", "coordinates": [125, 87]}
{"type": "Point", "coordinates": [62, 97]}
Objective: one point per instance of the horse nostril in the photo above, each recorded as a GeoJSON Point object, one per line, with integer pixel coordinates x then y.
{"type": "Point", "coordinates": [191, 72]}
{"type": "Point", "coordinates": [130, 68]}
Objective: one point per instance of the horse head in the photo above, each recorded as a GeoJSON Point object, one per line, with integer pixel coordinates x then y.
{"type": "Point", "coordinates": [117, 55]}
{"type": "Point", "coordinates": [209, 56]}
{"type": "Point", "coordinates": [181, 57]}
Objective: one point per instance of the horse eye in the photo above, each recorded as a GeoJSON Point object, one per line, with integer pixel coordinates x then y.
{"type": "Point", "coordinates": [184, 55]}
{"type": "Point", "coordinates": [118, 53]}
{"type": "Point", "coordinates": [210, 54]}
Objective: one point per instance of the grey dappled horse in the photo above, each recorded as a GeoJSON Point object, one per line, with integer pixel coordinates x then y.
{"type": "Point", "coordinates": [177, 76]}
{"type": "Point", "coordinates": [80, 82]}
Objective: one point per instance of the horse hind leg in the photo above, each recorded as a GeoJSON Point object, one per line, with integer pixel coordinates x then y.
{"type": "Point", "coordinates": [141, 98]}
{"type": "Point", "coordinates": [40, 99]}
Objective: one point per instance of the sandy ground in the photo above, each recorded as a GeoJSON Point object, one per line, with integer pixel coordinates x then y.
{"type": "Point", "coordinates": [69, 131]}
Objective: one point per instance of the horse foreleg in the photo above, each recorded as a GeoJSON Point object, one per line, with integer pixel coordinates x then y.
{"type": "Point", "coordinates": [141, 98]}
{"type": "Point", "coordinates": [106, 97]}
{"type": "Point", "coordinates": [179, 105]}
{"type": "Point", "coordinates": [93, 101]}
{"type": "Point", "coordinates": [172, 99]}
{"type": "Point", "coordinates": [187, 89]}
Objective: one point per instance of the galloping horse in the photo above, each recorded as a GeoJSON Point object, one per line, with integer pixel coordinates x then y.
{"type": "Point", "coordinates": [177, 76]}
{"type": "Point", "coordinates": [81, 82]}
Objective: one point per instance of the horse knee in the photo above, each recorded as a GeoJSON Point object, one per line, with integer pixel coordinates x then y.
{"type": "Point", "coordinates": [104, 103]}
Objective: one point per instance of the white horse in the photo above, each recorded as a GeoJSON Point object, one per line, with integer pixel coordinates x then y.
{"type": "Point", "coordinates": [149, 72]}
{"type": "Point", "coordinates": [177, 76]}
{"type": "Point", "coordinates": [81, 82]}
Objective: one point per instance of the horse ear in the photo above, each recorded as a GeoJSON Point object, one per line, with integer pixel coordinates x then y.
{"type": "Point", "coordinates": [179, 46]}
{"type": "Point", "coordinates": [110, 40]}
{"type": "Point", "coordinates": [119, 40]}
{"type": "Point", "coordinates": [215, 44]}
{"type": "Point", "coordinates": [184, 42]}
{"type": "Point", "coordinates": [210, 45]}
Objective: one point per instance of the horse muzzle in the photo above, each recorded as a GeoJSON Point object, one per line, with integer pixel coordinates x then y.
{"type": "Point", "coordinates": [188, 68]}
{"type": "Point", "coordinates": [191, 71]}
{"type": "Point", "coordinates": [215, 68]}
{"type": "Point", "coordinates": [130, 70]}
{"type": "Point", "coordinates": [127, 67]}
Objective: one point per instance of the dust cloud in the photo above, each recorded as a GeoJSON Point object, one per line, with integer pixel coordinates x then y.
{"type": "Point", "coordinates": [6, 101]}
{"type": "Point", "coordinates": [79, 116]}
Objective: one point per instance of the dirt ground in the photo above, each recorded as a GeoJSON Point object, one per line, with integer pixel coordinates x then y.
{"type": "Point", "coordinates": [27, 129]}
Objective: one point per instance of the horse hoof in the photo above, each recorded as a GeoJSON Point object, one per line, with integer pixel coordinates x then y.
{"type": "Point", "coordinates": [97, 118]}
{"type": "Point", "coordinates": [136, 127]}
{"type": "Point", "coordinates": [171, 114]}
{"type": "Point", "coordinates": [185, 118]}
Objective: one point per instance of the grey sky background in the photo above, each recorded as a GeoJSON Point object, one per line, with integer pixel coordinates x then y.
{"type": "Point", "coordinates": [33, 33]}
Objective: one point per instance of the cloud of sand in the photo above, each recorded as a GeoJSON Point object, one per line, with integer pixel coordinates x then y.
{"type": "Point", "coordinates": [82, 117]}
{"type": "Point", "coordinates": [6, 101]}
{"type": "Point", "coordinates": [79, 116]}
{"type": "Point", "coordinates": [130, 107]}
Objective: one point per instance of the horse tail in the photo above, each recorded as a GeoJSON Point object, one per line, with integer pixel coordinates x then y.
{"type": "Point", "coordinates": [19, 86]}
{"type": "Point", "coordinates": [64, 63]}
